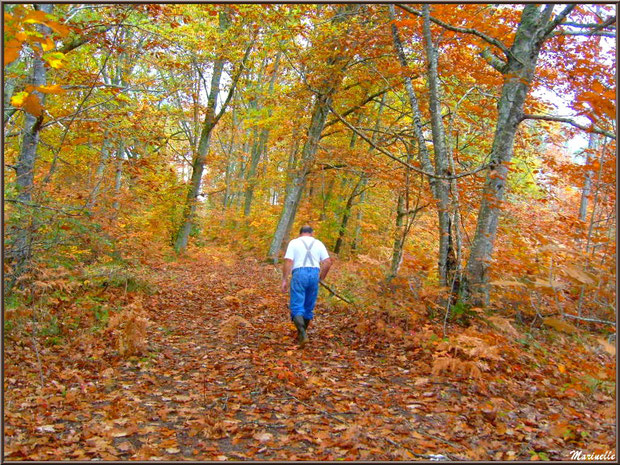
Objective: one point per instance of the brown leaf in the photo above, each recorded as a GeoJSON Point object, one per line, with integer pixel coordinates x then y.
{"type": "Point", "coordinates": [263, 437]}
{"type": "Point", "coordinates": [560, 325]}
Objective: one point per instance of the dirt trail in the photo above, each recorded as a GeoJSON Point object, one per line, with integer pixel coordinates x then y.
{"type": "Point", "coordinates": [223, 379]}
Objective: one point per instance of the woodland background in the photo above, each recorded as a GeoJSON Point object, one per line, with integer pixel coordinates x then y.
{"type": "Point", "coordinates": [459, 161]}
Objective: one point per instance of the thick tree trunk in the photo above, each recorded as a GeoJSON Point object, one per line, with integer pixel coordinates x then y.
{"type": "Point", "coordinates": [518, 73]}
{"type": "Point", "coordinates": [25, 166]}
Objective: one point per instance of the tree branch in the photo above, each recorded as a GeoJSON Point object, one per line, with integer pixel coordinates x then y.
{"type": "Point", "coordinates": [583, 33]}
{"type": "Point", "coordinates": [595, 29]}
{"type": "Point", "coordinates": [592, 320]}
{"type": "Point", "coordinates": [496, 63]}
{"type": "Point", "coordinates": [558, 19]}
{"type": "Point", "coordinates": [233, 85]}
{"type": "Point", "coordinates": [357, 107]}
{"type": "Point", "coordinates": [334, 293]}
{"type": "Point", "coordinates": [561, 119]}
{"type": "Point", "coordinates": [395, 158]}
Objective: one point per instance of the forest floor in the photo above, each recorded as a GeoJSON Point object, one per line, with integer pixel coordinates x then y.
{"type": "Point", "coordinates": [221, 378]}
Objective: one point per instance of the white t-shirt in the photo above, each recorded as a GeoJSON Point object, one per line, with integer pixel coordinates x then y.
{"type": "Point", "coordinates": [296, 251]}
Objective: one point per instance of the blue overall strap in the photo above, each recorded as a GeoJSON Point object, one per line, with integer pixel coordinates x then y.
{"type": "Point", "coordinates": [308, 253]}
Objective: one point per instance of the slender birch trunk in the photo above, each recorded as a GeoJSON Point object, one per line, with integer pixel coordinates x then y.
{"type": "Point", "coordinates": [200, 159]}
{"type": "Point", "coordinates": [323, 100]}
{"type": "Point", "coordinates": [587, 183]}
{"type": "Point", "coordinates": [259, 149]}
{"type": "Point", "coordinates": [293, 197]}
{"type": "Point", "coordinates": [442, 166]}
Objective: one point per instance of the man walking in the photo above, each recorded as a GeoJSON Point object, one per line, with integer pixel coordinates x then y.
{"type": "Point", "coordinates": [307, 260]}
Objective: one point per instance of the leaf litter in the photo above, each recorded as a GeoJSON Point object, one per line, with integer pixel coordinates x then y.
{"type": "Point", "coordinates": [219, 377]}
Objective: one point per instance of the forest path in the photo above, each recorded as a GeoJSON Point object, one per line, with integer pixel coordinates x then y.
{"type": "Point", "coordinates": [222, 378]}
{"type": "Point", "coordinates": [233, 360]}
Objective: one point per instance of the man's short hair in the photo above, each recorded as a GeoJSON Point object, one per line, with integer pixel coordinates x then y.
{"type": "Point", "coordinates": [305, 230]}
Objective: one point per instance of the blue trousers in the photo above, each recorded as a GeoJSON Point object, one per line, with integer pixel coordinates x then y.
{"type": "Point", "coordinates": [304, 289]}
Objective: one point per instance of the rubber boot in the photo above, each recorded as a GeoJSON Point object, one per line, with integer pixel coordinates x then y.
{"type": "Point", "coordinates": [306, 323]}
{"type": "Point", "coordinates": [302, 337]}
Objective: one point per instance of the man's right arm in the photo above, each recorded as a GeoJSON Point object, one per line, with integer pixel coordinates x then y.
{"type": "Point", "coordinates": [325, 266]}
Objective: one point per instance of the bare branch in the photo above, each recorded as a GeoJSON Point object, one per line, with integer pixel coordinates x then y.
{"type": "Point", "coordinates": [583, 34]}
{"type": "Point", "coordinates": [395, 158]}
{"type": "Point", "coordinates": [561, 119]}
{"type": "Point", "coordinates": [233, 85]}
{"type": "Point", "coordinates": [558, 19]}
{"type": "Point", "coordinates": [358, 106]}
{"type": "Point", "coordinates": [595, 29]}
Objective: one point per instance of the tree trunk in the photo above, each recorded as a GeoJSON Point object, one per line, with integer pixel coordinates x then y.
{"type": "Point", "coordinates": [323, 99]}
{"type": "Point", "coordinates": [425, 159]}
{"type": "Point", "coordinates": [399, 238]}
{"type": "Point", "coordinates": [346, 215]}
{"type": "Point", "coordinates": [518, 73]}
{"type": "Point", "coordinates": [442, 167]}
{"type": "Point", "coordinates": [200, 159]}
{"type": "Point", "coordinates": [99, 175]}
{"type": "Point", "coordinates": [293, 197]}
{"type": "Point", "coordinates": [440, 189]}
{"type": "Point", "coordinates": [118, 177]}
{"type": "Point", "coordinates": [587, 184]}
{"type": "Point", "coordinates": [200, 156]}
{"type": "Point", "coordinates": [358, 216]}
{"type": "Point", "coordinates": [25, 166]}
{"type": "Point", "coordinates": [259, 149]}
{"type": "Point", "coordinates": [230, 165]}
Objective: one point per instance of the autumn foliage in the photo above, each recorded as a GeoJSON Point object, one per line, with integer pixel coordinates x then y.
{"type": "Point", "coordinates": [157, 157]}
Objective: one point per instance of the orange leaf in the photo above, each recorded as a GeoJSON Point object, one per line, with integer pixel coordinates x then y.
{"type": "Point", "coordinates": [33, 105]}
{"type": "Point", "coordinates": [58, 28]}
{"type": "Point", "coordinates": [36, 17]}
{"type": "Point", "coordinates": [48, 44]}
{"type": "Point", "coordinates": [53, 89]}
{"type": "Point", "coordinates": [11, 51]}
